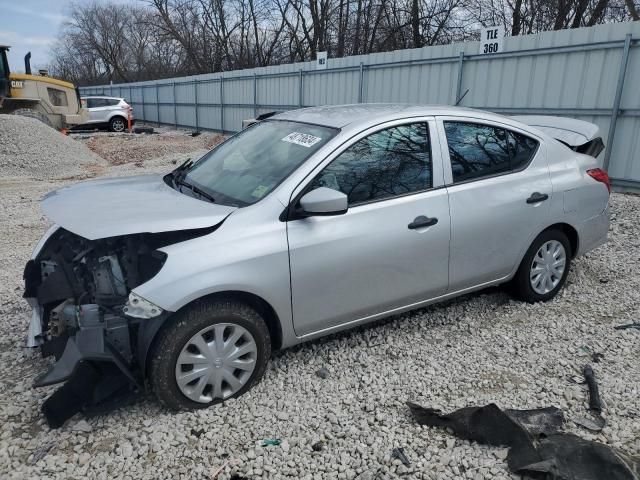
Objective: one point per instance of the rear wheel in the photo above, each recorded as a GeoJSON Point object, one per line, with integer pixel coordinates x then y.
{"type": "Point", "coordinates": [211, 352]}
{"type": "Point", "coordinates": [31, 113]}
{"type": "Point", "coordinates": [545, 267]}
{"type": "Point", "coordinates": [117, 124]}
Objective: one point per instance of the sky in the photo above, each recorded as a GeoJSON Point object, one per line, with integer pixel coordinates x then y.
{"type": "Point", "coordinates": [33, 25]}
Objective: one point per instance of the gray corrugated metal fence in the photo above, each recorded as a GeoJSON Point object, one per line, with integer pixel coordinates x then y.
{"type": "Point", "coordinates": [591, 74]}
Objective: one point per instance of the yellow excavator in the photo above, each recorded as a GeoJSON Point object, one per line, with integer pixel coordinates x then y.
{"type": "Point", "coordinates": [52, 101]}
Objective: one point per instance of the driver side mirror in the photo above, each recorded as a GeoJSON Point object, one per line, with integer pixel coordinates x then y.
{"type": "Point", "coordinates": [324, 201]}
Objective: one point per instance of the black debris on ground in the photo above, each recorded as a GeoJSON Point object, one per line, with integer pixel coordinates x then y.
{"type": "Point", "coordinates": [541, 452]}
{"type": "Point", "coordinates": [400, 455]}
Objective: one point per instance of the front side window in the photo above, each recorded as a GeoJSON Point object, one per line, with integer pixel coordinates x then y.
{"type": "Point", "coordinates": [476, 150]}
{"type": "Point", "coordinates": [249, 165]}
{"type": "Point", "coordinates": [386, 164]}
{"type": "Point", "coordinates": [58, 98]}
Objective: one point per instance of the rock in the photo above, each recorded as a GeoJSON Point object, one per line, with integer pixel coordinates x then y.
{"type": "Point", "coordinates": [81, 426]}
{"type": "Point", "coordinates": [126, 449]}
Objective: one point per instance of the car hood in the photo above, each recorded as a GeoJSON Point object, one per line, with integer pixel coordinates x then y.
{"type": "Point", "coordinates": [121, 206]}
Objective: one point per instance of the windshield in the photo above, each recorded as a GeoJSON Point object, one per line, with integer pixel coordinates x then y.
{"type": "Point", "coordinates": [249, 165]}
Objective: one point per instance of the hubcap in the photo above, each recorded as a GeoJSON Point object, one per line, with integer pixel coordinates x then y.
{"type": "Point", "coordinates": [216, 362]}
{"type": "Point", "coordinates": [547, 267]}
{"type": "Point", "coordinates": [118, 125]}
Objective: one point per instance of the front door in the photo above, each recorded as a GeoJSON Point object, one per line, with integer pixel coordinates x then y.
{"type": "Point", "coordinates": [391, 248]}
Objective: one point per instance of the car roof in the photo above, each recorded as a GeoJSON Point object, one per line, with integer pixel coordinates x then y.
{"type": "Point", "coordinates": [339, 116]}
{"type": "Point", "coordinates": [103, 96]}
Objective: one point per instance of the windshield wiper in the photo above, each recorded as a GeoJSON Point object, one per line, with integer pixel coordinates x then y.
{"type": "Point", "coordinates": [178, 175]}
{"type": "Point", "coordinates": [182, 182]}
{"type": "Point", "coordinates": [181, 171]}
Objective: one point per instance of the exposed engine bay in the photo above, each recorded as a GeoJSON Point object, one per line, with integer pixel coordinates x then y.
{"type": "Point", "coordinates": [88, 318]}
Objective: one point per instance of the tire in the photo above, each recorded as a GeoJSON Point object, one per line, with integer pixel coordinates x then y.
{"type": "Point", "coordinates": [178, 341]}
{"type": "Point", "coordinates": [31, 113]}
{"type": "Point", "coordinates": [529, 285]}
{"type": "Point", "coordinates": [118, 124]}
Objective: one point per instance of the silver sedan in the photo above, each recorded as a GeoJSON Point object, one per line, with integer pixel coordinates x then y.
{"type": "Point", "coordinates": [306, 223]}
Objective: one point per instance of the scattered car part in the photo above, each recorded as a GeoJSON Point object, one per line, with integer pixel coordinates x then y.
{"type": "Point", "coordinates": [143, 130]}
{"type": "Point", "coordinates": [628, 326]}
{"type": "Point", "coordinates": [550, 455]}
{"type": "Point", "coordinates": [398, 453]}
{"type": "Point", "coordinates": [597, 422]}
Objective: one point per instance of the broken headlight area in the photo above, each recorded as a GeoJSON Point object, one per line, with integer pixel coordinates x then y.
{"type": "Point", "coordinates": [87, 317]}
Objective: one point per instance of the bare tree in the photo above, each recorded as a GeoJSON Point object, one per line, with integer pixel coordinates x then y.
{"type": "Point", "coordinates": [162, 38]}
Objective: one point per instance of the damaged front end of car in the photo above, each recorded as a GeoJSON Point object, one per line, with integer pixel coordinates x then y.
{"type": "Point", "coordinates": [86, 315]}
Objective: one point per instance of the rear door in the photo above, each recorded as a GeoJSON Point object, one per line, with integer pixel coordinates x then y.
{"type": "Point", "coordinates": [499, 191]}
{"type": "Point", "coordinates": [376, 257]}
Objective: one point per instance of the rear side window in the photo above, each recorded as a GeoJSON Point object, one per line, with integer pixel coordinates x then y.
{"type": "Point", "coordinates": [58, 98]}
{"type": "Point", "coordinates": [522, 149]}
{"type": "Point", "coordinates": [112, 102]}
{"type": "Point", "coordinates": [478, 151]}
{"type": "Point", "coordinates": [395, 161]}
{"type": "Point", "coordinates": [98, 102]}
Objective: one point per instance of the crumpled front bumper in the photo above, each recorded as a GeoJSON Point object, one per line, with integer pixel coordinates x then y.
{"type": "Point", "coordinates": [87, 345]}
{"type": "Point", "coordinates": [89, 359]}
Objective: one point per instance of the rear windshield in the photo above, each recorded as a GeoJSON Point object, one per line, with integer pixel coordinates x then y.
{"type": "Point", "coordinates": [249, 165]}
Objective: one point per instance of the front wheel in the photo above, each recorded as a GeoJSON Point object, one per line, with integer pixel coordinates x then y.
{"type": "Point", "coordinates": [544, 268]}
{"type": "Point", "coordinates": [211, 352]}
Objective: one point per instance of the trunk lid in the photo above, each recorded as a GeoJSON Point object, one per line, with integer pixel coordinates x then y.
{"type": "Point", "coordinates": [581, 136]}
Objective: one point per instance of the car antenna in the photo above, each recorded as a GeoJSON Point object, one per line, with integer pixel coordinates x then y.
{"type": "Point", "coordinates": [463, 95]}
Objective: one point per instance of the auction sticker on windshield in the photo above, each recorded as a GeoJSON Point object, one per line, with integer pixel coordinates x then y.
{"type": "Point", "coordinates": [303, 139]}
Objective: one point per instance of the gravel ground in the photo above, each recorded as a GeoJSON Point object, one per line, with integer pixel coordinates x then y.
{"type": "Point", "coordinates": [478, 349]}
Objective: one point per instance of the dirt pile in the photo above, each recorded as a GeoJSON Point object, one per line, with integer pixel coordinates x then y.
{"type": "Point", "coordinates": [119, 149]}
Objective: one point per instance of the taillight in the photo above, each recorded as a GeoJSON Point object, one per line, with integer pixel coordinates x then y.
{"type": "Point", "coordinates": [600, 175]}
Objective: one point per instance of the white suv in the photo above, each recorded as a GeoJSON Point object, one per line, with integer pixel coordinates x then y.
{"type": "Point", "coordinates": [109, 111]}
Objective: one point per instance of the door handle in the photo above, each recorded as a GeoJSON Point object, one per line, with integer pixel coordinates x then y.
{"type": "Point", "coordinates": [421, 222]}
{"type": "Point", "coordinates": [537, 197]}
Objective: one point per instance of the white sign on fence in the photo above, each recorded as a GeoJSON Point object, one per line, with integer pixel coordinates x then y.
{"type": "Point", "coordinates": [321, 60]}
{"type": "Point", "coordinates": [491, 39]}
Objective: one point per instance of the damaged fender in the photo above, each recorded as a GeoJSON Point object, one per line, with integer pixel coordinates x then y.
{"type": "Point", "coordinates": [86, 314]}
